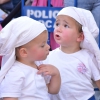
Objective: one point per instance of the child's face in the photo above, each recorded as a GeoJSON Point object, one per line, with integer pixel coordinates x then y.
{"type": "Point", "coordinates": [66, 31]}
{"type": "Point", "coordinates": [38, 49]}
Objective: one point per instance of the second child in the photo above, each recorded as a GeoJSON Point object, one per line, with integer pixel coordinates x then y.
{"type": "Point", "coordinates": [78, 57]}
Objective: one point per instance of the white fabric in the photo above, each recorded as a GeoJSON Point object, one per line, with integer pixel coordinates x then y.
{"type": "Point", "coordinates": [47, 77]}
{"type": "Point", "coordinates": [89, 27]}
{"type": "Point", "coordinates": [76, 74]}
{"type": "Point", "coordinates": [16, 33]}
{"type": "Point", "coordinates": [22, 81]}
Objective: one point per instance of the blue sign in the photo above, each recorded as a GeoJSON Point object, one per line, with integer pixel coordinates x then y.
{"type": "Point", "coordinates": [45, 15]}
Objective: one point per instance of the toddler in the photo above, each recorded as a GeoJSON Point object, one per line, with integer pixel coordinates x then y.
{"type": "Point", "coordinates": [78, 57]}
{"type": "Point", "coordinates": [23, 44]}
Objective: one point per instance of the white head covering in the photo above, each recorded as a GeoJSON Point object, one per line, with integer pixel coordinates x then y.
{"type": "Point", "coordinates": [16, 33]}
{"type": "Point", "coordinates": [89, 27]}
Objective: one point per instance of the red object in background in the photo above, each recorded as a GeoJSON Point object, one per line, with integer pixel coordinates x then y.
{"type": "Point", "coordinates": [53, 43]}
{"type": "Point", "coordinates": [0, 27]}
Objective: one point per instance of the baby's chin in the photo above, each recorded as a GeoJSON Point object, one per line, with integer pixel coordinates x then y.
{"type": "Point", "coordinates": [43, 58]}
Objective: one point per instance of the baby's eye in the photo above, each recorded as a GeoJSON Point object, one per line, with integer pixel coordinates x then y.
{"type": "Point", "coordinates": [57, 24]}
{"type": "Point", "coordinates": [42, 46]}
{"type": "Point", "coordinates": [66, 26]}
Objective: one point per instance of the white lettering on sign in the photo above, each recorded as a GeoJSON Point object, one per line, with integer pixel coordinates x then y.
{"type": "Point", "coordinates": [42, 14]}
{"type": "Point", "coordinates": [37, 13]}
{"type": "Point", "coordinates": [55, 14]}
{"type": "Point", "coordinates": [47, 23]}
{"type": "Point", "coordinates": [50, 14]}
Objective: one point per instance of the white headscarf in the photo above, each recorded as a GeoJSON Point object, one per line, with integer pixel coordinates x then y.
{"type": "Point", "coordinates": [16, 33]}
{"type": "Point", "coordinates": [89, 27]}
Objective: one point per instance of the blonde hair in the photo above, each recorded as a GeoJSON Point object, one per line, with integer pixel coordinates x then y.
{"type": "Point", "coordinates": [79, 26]}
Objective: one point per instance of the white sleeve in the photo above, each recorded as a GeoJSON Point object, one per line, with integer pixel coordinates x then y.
{"type": "Point", "coordinates": [12, 84]}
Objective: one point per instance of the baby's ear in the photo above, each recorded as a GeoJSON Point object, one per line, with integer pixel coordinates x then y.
{"type": "Point", "coordinates": [81, 37]}
{"type": "Point", "coordinates": [23, 52]}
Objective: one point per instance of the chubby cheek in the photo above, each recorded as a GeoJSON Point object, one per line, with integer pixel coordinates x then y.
{"type": "Point", "coordinates": [38, 55]}
{"type": "Point", "coordinates": [66, 36]}
{"type": "Point", "coordinates": [42, 56]}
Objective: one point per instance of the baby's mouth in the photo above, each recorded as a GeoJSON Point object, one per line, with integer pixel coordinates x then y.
{"type": "Point", "coordinates": [57, 35]}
